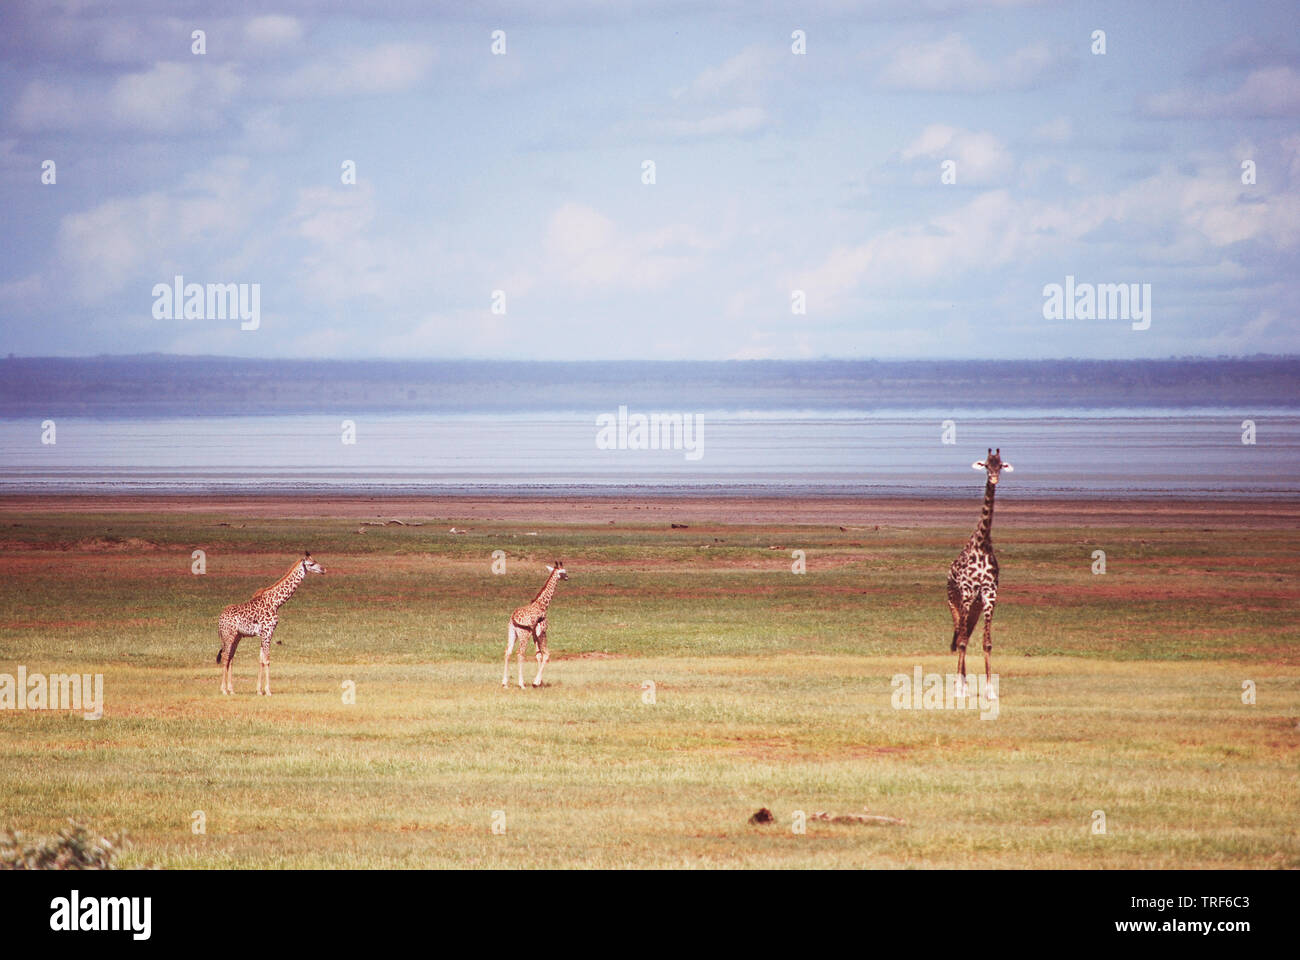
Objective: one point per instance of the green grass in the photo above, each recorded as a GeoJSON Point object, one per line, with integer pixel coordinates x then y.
{"type": "Point", "coordinates": [1119, 693]}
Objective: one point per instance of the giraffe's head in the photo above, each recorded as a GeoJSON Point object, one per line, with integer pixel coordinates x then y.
{"type": "Point", "coordinates": [309, 565]}
{"type": "Point", "coordinates": [993, 464]}
{"type": "Point", "coordinates": [558, 567]}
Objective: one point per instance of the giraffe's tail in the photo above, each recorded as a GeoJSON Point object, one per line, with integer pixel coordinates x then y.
{"type": "Point", "coordinates": [219, 657]}
{"type": "Point", "coordinates": [972, 619]}
{"type": "Point", "coordinates": [973, 616]}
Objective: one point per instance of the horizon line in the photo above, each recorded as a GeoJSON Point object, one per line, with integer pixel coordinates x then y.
{"type": "Point", "coordinates": [737, 360]}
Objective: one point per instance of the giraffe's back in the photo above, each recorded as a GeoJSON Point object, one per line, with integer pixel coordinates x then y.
{"type": "Point", "coordinates": [245, 619]}
{"type": "Point", "coordinates": [526, 617]}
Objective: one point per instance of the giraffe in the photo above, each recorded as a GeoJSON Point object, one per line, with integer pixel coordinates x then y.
{"type": "Point", "coordinates": [973, 577]}
{"type": "Point", "coordinates": [258, 618]}
{"type": "Point", "coordinates": [530, 621]}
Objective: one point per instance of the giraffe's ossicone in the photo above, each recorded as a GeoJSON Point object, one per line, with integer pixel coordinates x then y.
{"type": "Point", "coordinates": [529, 621]}
{"type": "Point", "coordinates": [258, 617]}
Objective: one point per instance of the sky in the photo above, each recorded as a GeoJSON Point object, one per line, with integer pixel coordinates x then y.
{"type": "Point", "coordinates": [887, 179]}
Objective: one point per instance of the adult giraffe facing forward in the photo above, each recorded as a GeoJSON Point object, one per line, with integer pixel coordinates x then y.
{"type": "Point", "coordinates": [258, 618]}
{"type": "Point", "coordinates": [973, 576]}
{"type": "Point", "coordinates": [530, 621]}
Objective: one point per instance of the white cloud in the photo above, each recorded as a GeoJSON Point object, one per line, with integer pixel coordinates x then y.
{"type": "Point", "coordinates": [736, 122]}
{"type": "Point", "coordinates": [1270, 92]}
{"type": "Point", "coordinates": [980, 157]}
{"type": "Point", "coordinates": [273, 30]}
{"type": "Point", "coordinates": [1057, 131]}
{"type": "Point", "coordinates": [354, 253]}
{"type": "Point", "coordinates": [1190, 216]}
{"type": "Point", "coordinates": [264, 129]}
{"type": "Point", "coordinates": [952, 65]}
{"type": "Point", "coordinates": [723, 100]}
{"type": "Point", "coordinates": [169, 97]}
{"type": "Point", "coordinates": [1291, 150]}
{"type": "Point", "coordinates": [385, 68]}
{"type": "Point", "coordinates": [586, 253]}
{"type": "Point", "coordinates": [195, 225]}
{"type": "Point", "coordinates": [986, 232]}
{"type": "Point", "coordinates": [740, 77]}
{"type": "Point", "coordinates": [173, 96]}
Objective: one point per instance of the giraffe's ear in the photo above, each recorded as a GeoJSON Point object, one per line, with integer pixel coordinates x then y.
{"type": "Point", "coordinates": [1008, 468]}
{"type": "Point", "coordinates": [979, 465]}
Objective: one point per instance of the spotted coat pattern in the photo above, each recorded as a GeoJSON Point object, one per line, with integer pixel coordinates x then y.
{"type": "Point", "coordinates": [529, 621]}
{"type": "Point", "coordinates": [973, 576]}
{"type": "Point", "coordinates": [258, 617]}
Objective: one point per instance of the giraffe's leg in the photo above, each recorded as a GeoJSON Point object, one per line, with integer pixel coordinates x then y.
{"type": "Point", "coordinates": [988, 646]}
{"type": "Point", "coordinates": [969, 621]}
{"type": "Point", "coordinates": [510, 646]}
{"type": "Point", "coordinates": [961, 660]}
{"type": "Point", "coordinates": [959, 641]}
{"type": "Point", "coordinates": [523, 645]}
{"type": "Point", "coordinates": [265, 634]}
{"type": "Point", "coordinates": [543, 654]}
{"type": "Point", "coordinates": [264, 655]}
{"type": "Point", "coordinates": [223, 656]}
{"type": "Point", "coordinates": [228, 683]}
{"type": "Point", "coordinates": [261, 667]}
{"type": "Point", "coordinates": [954, 605]}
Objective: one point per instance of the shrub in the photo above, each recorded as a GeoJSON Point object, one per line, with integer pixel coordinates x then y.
{"type": "Point", "coordinates": [73, 848]}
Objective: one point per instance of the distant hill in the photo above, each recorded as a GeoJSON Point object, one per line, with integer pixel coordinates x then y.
{"type": "Point", "coordinates": [157, 385]}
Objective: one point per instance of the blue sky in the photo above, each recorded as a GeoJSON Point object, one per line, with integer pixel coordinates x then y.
{"type": "Point", "coordinates": [774, 172]}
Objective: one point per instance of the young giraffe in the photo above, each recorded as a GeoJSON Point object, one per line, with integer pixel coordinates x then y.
{"type": "Point", "coordinates": [258, 618]}
{"type": "Point", "coordinates": [973, 577]}
{"type": "Point", "coordinates": [530, 621]}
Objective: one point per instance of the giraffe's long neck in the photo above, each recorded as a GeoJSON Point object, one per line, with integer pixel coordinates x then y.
{"type": "Point", "coordinates": [283, 590]}
{"type": "Point", "coordinates": [543, 598]}
{"type": "Point", "coordinates": [982, 534]}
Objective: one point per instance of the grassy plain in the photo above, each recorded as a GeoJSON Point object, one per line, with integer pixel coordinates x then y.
{"type": "Point", "coordinates": [1120, 693]}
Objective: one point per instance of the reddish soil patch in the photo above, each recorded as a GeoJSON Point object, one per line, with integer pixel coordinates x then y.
{"type": "Point", "coordinates": [855, 513]}
{"type": "Point", "coordinates": [1166, 590]}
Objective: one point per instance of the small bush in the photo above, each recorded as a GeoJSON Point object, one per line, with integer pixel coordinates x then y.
{"type": "Point", "coordinates": [74, 848]}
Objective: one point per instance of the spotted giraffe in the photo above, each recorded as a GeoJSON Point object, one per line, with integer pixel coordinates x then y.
{"type": "Point", "coordinates": [530, 621]}
{"type": "Point", "coordinates": [973, 577]}
{"type": "Point", "coordinates": [258, 618]}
